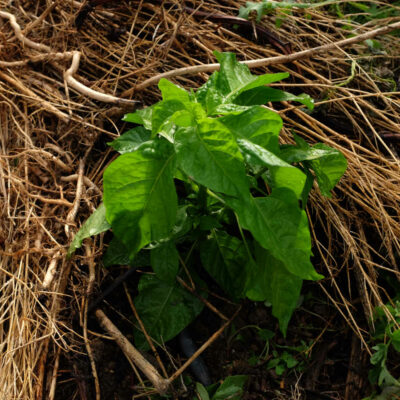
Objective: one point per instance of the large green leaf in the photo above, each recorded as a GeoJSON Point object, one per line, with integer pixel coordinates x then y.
{"type": "Point", "coordinates": [293, 154]}
{"type": "Point", "coordinates": [235, 78]}
{"type": "Point", "coordinates": [279, 224]}
{"type": "Point", "coordinates": [165, 261]}
{"type": "Point", "coordinates": [270, 281]}
{"type": "Point", "coordinates": [95, 224]}
{"type": "Point", "coordinates": [280, 174]}
{"type": "Point", "coordinates": [223, 256]}
{"type": "Point", "coordinates": [263, 94]}
{"type": "Point", "coordinates": [140, 196]}
{"type": "Point", "coordinates": [171, 91]}
{"type": "Point", "coordinates": [258, 125]}
{"type": "Point", "coordinates": [165, 310]}
{"type": "Point", "coordinates": [131, 140]}
{"type": "Point", "coordinates": [208, 153]}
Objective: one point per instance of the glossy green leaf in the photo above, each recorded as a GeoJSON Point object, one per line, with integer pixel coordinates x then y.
{"type": "Point", "coordinates": [223, 256]}
{"type": "Point", "coordinates": [163, 111]}
{"type": "Point", "coordinates": [165, 261]}
{"type": "Point", "coordinates": [280, 226]}
{"type": "Point", "coordinates": [170, 91]}
{"type": "Point", "coordinates": [231, 388]}
{"type": "Point", "coordinates": [131, 140]}
{"type": "Point", "coordinates": [141, 117]}
{"type": "Point", "coordinates": [292, 154]}
{"type": "Point", "coordinates": [232, 74]}
{"type": "Point", "coordinates": [164, 309]}
{"type": "Point", "coordinates": [270, 281]}
{"type": "Point", "coordinates": [140, 197]}
{"type": "Point", "coordinates": [258, 125]}
{"type": "Point", "coordinates": [281, 174]}
{"type": "Point", "coordinates": [95, 224]}
{"type": "Point", "coordinates": [264, 94]}
{"type": "Point", "coordinates": [209, 90]}
{"type": "Point", "coordinates": [235, 78]}
{"type": "Point", "coordinates": [208, 154]}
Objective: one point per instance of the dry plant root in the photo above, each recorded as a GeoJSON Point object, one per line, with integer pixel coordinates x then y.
{"type": "Point", "coordinates": [68, 75]}
{"type": "Point", "coordinates": [161, 384]}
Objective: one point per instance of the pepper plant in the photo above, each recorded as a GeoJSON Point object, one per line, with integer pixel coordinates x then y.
{"type": "Point", "coordinates": [203, 186]}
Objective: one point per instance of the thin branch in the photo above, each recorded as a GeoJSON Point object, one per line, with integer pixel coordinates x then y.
{"type": "Point", "coordinates": [263, 62]}
{"type": "Point", "coordinates": [130, 352]}
{"type": "Point", "coordinates": [203, 347]}
{"type": "Point", "coordinates": [106, 98]}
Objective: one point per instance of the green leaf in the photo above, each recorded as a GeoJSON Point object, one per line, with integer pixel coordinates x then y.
{"type": "Point", "coordinates": [379, 357]}
{"type": "Point", "coordinates": [231, 388]}
{"type": "Point", "coordinates": [163, 111]}
{"type": "Point", "coordinates": [265, 334]}
{"type": "Point", "coordinates": [209, 154]}
{"type": "Point", "coordinates": [281, 173]}
{"type": "Point", "coordinates": [141, 117]}
{"type": "Point", "coordinates": [235, 78]}
{"type": "Point", "coordinates": [202, 391]}
{"type": "Point", "coordinates": [223, 257]}
{"type": "Point", "coordinates": [280, 226]}
{"type": "Point", "coordinates": [165, 261]}
{"type": "Point", "coordinates": [140, 196]}
{"type": "Point", "coordinates": [95, 224]}
{"type": "Point", "coordinates": [292, 154]}
{"type": "Point", "coordinates": [290, 361]}
{"type": "Point", "coordinates": [386, 378]}
{"type": "Point", "coordinates": [329, 169]}
{"type": "Point", "coordinates": [273, 363]}
{"type": "Point", "coordinates": [131, 140]}
{"type": "Point", "coordinates": [208, 90]}
{"type": "Point", "coordinates": [269, 280]}
{"type": "Point", "coordinates": [165, 310]}
{"type": "Point", "coordinates": [171, 91]}
{"type": "Point", "coordinates": [258, 125]}
{"type": "Point", "coordinates": [116, 254]}
{"type": "Point", "coordinates": [261, 8]}
{"type": "Point", "coordinates": [232, 74]}
{"type": "Point", "coordinates": [280, 369]}
{"type": "Point", "coordinates": [395, 336]}
{"type": "Point", "coordinates": [262, 95]}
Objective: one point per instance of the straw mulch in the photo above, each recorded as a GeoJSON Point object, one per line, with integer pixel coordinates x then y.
{"type": "Point", "coordinates": [53, 154]}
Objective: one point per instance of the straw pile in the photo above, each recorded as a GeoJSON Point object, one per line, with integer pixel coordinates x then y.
{"type": "Point", "coordinates": [52, 153]}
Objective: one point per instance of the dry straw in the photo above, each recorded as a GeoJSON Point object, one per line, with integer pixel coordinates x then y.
{"type": "Point", "coordinates": [54, 123]}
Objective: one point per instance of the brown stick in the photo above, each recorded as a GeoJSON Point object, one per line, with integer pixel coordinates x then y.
{"type": "Point", "coordinates": [263, 62]}
{"type": "Point", "coordinates": [146, 335]}
{"type": "Point", "coordinates": [203, 347]}
{"type": "Point", "coordinates": [133, 354]}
